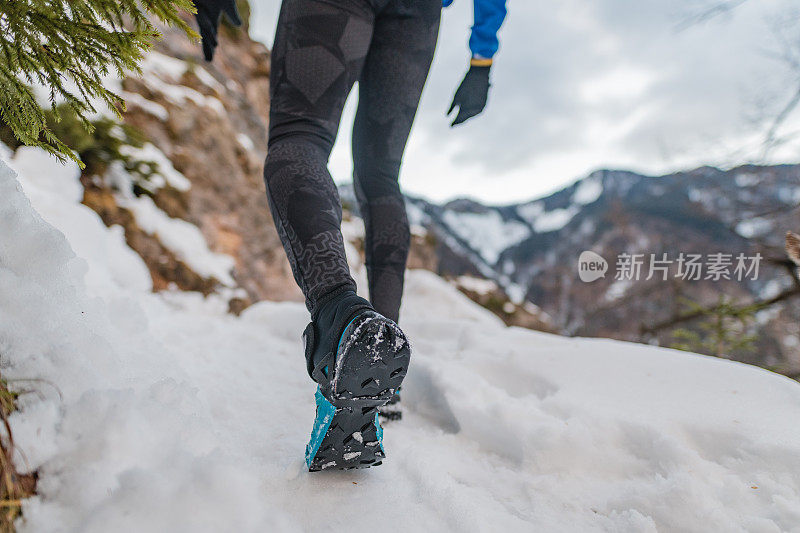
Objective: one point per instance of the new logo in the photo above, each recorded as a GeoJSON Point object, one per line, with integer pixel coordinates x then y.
{"type": "Point", "coordinates": [591, 266]}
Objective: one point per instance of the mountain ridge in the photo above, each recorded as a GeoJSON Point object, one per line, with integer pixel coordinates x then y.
{"type": "Point", "coordinates": [530, 248]}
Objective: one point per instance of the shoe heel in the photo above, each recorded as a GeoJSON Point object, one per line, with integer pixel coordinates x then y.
{"type": "Point", "coordinates": [371, 365]}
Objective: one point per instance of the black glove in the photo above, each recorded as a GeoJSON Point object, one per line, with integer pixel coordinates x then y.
{"type": "Point", "coordinates": [208, 16]}
{"type": "Point", "coordinates": [471, 94]}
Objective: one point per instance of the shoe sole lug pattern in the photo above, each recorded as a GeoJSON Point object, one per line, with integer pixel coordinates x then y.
{"type": "Point", "coordinates": [351, 441]}
{"type": "Point", "coordinates": [372, 366]}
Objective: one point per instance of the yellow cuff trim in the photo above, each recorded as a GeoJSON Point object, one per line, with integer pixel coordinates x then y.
{"type": "Point", "coordinates": [480, 62]}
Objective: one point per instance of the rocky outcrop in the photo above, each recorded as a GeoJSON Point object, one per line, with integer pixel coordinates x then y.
{"type": "Point", "coordinates": [210, 120]}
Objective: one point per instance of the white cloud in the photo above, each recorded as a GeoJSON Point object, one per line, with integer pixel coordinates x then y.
{"type": "Point", "coordinates": [622, 83]}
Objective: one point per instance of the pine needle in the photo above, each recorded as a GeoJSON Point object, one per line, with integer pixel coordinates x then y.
{"type": "Point", "coordinates": [67, 48]}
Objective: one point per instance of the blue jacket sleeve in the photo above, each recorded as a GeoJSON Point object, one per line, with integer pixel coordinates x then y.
{"type": "Point", "coordinates": [489, 16]}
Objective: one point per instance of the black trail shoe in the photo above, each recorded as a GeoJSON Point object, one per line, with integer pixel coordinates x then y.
{"type": "Point", "coordinates": [356, 375]}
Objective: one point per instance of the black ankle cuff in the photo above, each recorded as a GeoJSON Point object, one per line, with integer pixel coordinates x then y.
{"type": "Point", "coordinates": [331, 315]}
{"type": "Point", "coordinates": [328, 297]}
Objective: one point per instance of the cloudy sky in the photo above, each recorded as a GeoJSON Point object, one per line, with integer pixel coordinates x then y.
{"type": "Point", "coordinates": [585, 84]}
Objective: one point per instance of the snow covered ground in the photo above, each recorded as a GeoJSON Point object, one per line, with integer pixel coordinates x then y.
{"type": "Point", "coordinates": [164, 413]}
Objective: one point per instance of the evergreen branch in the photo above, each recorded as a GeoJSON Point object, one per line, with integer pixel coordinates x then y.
{"type": "Point", "coordinates": [698, 311]}
{"type": "Point", "coordinates": [68, 48]}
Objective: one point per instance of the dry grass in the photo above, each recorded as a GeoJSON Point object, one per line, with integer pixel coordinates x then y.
{"type": "Point", "coordinates": [14, 487]}
{"type": "Point", "coordinates": [793, 247]}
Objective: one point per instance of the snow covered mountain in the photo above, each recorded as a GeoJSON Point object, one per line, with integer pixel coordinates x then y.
{"type": "Point", "coordinates": [164, 412]}
{"type": "Point", "coordinates": [531, 249]}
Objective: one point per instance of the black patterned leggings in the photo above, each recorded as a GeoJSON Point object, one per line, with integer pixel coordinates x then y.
{"type": "Point", "coordinates": [322, 47]}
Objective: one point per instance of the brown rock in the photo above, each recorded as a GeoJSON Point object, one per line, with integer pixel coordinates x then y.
{"type": "Point", "coordinates": [222, 154]}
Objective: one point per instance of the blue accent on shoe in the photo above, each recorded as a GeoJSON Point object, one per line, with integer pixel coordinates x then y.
{"type": "Point", "coordinates": [341, 338]}
{"type": "Point", "coordinates": [325, 412]}
{"type": "Point", "coordinates": [379, 432]}
{"type": "Point", "coordinates": [345, 329]}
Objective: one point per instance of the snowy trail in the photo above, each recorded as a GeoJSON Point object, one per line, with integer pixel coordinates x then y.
{"type": "Point", "coordinates": [175, 416]}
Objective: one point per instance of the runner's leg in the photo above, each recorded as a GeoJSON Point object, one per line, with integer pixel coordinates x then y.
{"type": "Point", "coordinates": [318, 54]}
{"type": "Point", "coordinates": [391, 82]}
